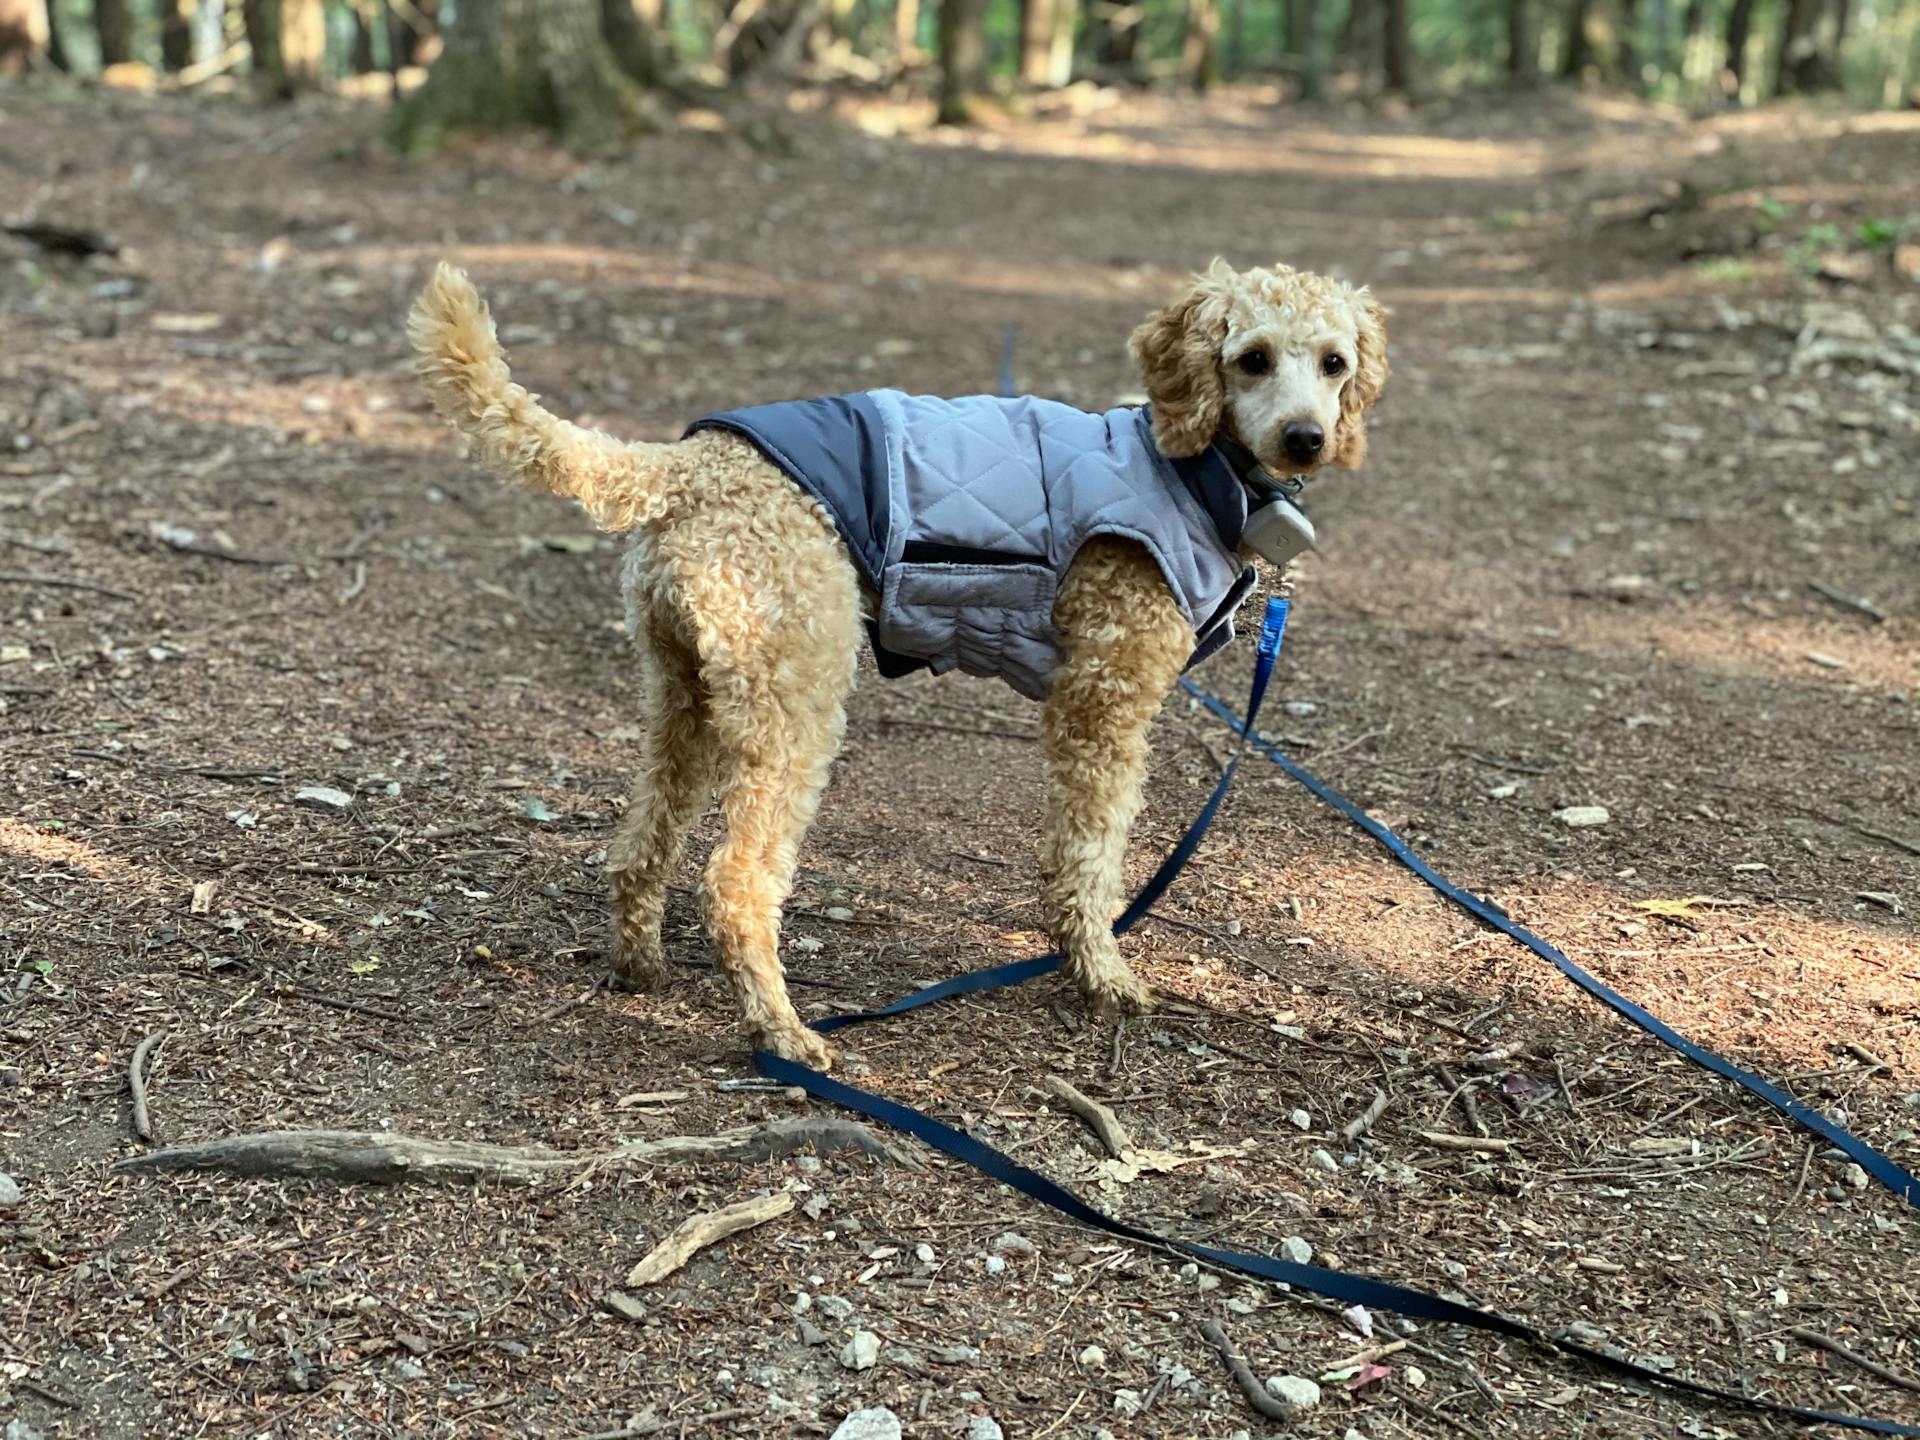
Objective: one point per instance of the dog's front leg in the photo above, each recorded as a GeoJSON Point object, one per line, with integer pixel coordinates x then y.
{"type": "Point", "coordinates": [1122, 642]}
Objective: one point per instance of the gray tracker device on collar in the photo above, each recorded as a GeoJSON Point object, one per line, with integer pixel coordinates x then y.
{"type": "Point", "coordinates": [1277, 529]}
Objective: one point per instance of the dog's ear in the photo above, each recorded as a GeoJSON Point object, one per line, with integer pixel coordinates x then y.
{"type": "Point", "coordinates": [1178, 351]}
{"type": "Point", "coordinates": [1363, 388]}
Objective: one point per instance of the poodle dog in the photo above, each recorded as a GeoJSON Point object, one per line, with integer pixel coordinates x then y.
{"type": "Point", "coordinates": [752, 574]}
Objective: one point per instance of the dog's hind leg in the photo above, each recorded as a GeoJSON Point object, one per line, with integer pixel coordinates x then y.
{"type": "Point", "coordinates": [777, 677]}
{"type": "Point", "coordinates": [1123, 642]}
{"type": "Point", "coordinates": [675, 779]}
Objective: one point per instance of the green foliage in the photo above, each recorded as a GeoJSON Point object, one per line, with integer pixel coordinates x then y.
{"type": "Point", "coordinates": [1879, 234]}
{"type": "Point", "coordinates": [1770, 214]}
{"type": "Point", "coordinates": [1726, 270]}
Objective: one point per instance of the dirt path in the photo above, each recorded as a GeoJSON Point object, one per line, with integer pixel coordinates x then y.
{"type": "Point", "coordinates": [1578, 571]}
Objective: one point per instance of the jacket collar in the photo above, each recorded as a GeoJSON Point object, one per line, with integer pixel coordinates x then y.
{"type": "Point", "coordinates": [1221, 478]}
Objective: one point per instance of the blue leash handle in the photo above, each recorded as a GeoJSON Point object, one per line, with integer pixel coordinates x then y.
{"type": "Point", "coordinates": [1333, 1284]}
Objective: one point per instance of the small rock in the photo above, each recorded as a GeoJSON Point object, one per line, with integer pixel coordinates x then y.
{"type": "Point", "coordinates": [810, 1333]}
{"type": "Point", "coordinates": [1012, 1244]}
{"type": "Point", "coordinates": [837, 912]}
{"type": "Point", "coordinates": [1854, 1176]}
{"type": "Point", "coordinates": [322, 797]}
{"type": "Point", "coordinates": [1297, 1250]}
{"type": "Point", "coordinates": [904, 1359]}
{"type": "Point", "coordinates": [923, 1252]}
{"type": "Point", "coordinates": [861, 1352]}
{"type": "Point", "coordinates": [409, 1370]}
{"type": "Point", "coordinates": [984, 1427]}
{"type": "Point", "coordinates": [1323, 1161]}
{"type": "Point", "coordinates": [1453, 1269]}
{"type": "Point", "coordinates": [1128, 1402]}
{"type": "Point", "coordinates": [20, 1430]}
{"type": "Point", "coordinates": [1300, 1120]}
{"type": "Point", "coordinates": [878, 1423]}
{"type": "Point", "coordinates": [834, 1307]}
{"type": "Point", "coordinates": [1415, 1376]}
{"type": "Point", "coordinates": [1294, 1390]}
{"type": "Point", "coordinates": [1503, 792]}
{"type": "Point", "coordinates": [1093, 1357]}
{"type": "Point", "coordinates": [1301, 708]}
{"type": "Point", "coordinates": [1207, 1282]}
{"type": "Point", "coordinates": [618, 1302]}
{"type": "Point", "coordinates": [1580, 817]}
{"type": "Point", "coordinates": [995, 1265]}
{"type": "Point", "coordinates": [952, 1354]}
{"type": "Point", "coordinates": [9, 1193]}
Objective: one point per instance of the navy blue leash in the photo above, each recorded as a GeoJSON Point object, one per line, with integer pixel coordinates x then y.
{"type": "Point", "coordinates": [1882, 1169]}
{"type": "Point", "coordinates": [1333, 1284]}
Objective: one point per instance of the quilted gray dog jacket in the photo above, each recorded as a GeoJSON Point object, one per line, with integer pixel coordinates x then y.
{"type": "Point", "coordinates": [963, 515]}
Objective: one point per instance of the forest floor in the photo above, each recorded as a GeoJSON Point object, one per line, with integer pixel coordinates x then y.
{"type": "Point", "coordinates": [1653, 399]}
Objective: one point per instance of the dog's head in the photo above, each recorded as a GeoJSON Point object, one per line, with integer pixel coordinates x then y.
{"type": "Point", "coordinates": [1283, 361]}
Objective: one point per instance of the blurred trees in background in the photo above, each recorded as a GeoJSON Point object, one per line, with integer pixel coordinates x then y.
{"type": "Point", "coordinates": [593, 70]}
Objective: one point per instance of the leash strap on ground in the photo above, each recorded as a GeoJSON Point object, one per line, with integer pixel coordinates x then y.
{"type": "Point", "coordinates": [1332, 1284]}
{"type": "Point", "coordinates": [1879, 1166]}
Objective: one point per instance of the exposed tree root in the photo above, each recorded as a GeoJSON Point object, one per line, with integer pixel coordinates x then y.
{"type": "Point", "coordinates": [370, 1158]}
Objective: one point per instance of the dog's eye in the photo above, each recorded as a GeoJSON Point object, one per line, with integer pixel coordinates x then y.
{"type": "Point", "coordinates": [1254, 362]}
{"type": "Point", "coordinates": [1334, 364]}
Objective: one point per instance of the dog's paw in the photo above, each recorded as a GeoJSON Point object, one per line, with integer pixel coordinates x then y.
{"type": "Point", "coordinates": [1117, 993]}
{"type": "Point", "coordinates": [798, 1044]}
{"type": "Point", "coordinates": [636, 974]}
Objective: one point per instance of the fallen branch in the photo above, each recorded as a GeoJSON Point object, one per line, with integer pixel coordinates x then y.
{"type": "Point", "coordinates": [1102, 1121]}
{"type": "Point", "coordinates": [371, 1158]}
{"type": "Point", "coordinates": [1857, 603]}
{"type": "Point", "coordinates": [1480, 1143]}
{"type": "Point", "coordinates": [697, 1232]}
{"type": "Point", "coordinates": [60, 582]}
{"type": "Point", "coordinates": [1872, 1367]}
{"type": "Point", "coordinates": [1250, 1386]}
{"type": "Point", "coordinates": [1363, 1122]}
{"type": "Point", "coordinates": [137, 1082]}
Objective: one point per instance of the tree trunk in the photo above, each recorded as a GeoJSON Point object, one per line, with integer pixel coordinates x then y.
{"type": "Point", "coordinates": [1523, 64]}
{"type": "Point", "coordinates": [24, 34]}
{"type": "Point", "coordinates": [289, 43]}
{"type": "Point", "coordinates": [1803, 65]}
{"type": "Point", "coordinates": [176, 33]}
{"type": "Point", "coordinates": [1046, 42]}
{"type": "Point", "coordinates": [1626, 56]}
{"type": "Point", "coordinates": [1577, 58]}
{"type": "Point", "coordinates": [963, 59]}
{"type": "Point", "coordinates": [1310, 19]}
{"type": "Point", "coordinates": [1842, 14]}
{"type": "Point", "coordinates": [906, 28]}
{"type": "Point", "coordinates": [410, 30]}
{"type": "Point", "coordinates": [1739, 28]}
{"type": "Point", "coordinates": [631, 39]}
{"type": "Point", "coordinates": [1396, 53]}
{"type": "Point", "coordinates": [115, 28]}
{"type": "Point", "coordinates": [360, 59]}
{"type": "Point", "coordinates": [1196, 51]}
{"type": "Point", "coordinates": [512, 63]}
{"type": "Point", "coordinates": [1116, 34]}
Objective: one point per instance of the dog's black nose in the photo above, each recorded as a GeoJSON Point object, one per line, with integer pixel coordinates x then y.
{"type": "Point", "coordinates": [1301, 439]}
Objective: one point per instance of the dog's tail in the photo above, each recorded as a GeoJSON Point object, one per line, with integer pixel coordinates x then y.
{"type": "Point", "coordinates": [460, 361]}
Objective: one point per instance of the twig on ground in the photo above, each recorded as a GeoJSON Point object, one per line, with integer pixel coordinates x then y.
{"type": "Point", "coordinates": [1481, 1143]}
{"type": "Point", "coordinates": [1858, 603]}
{"type": "Point", "coordinates": [1872, 1367]}
{"type": "Point", "coordinates": [52, 1397]}
{"type": "Point", "coordinates": [352, 592]}
{"type": "Point", "coordinates": [1865, 1056]}
{"type": "Point", "coordinates": [1485, 1015]}
{"type": "Point", "coordinates": [1363, 1122]}
{"type": "Point", "coordinates": [61, 582]}
{"type": "Point", "coordinates": [684, 1424]}
{"type": "Point", "coordinates": [710, 1227]}
{"type": "Point", "coordinates": [1103, 1122]}
{"type": "Point", "coordinates": [367, 1157]}
{"type": "Point", "coordinates": [137, 1083]}
{"type": "Point", "coordinates": [567, 1004]}
{"type": "Point", "coordinates": [1243, 1377]}
{"type": "Point", "coordinates": [357, 1007]}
